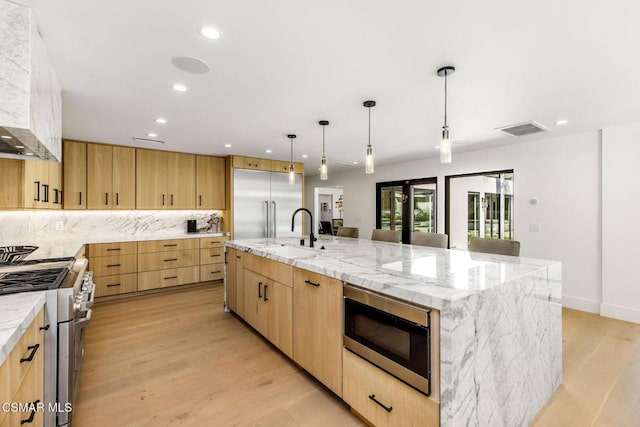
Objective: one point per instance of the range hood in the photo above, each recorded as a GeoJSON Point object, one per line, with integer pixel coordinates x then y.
{"type": "Point", "coordinates": [30, 96]}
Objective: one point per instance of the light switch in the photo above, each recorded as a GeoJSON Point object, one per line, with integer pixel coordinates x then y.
{"type": "Point", "coordinates": [534, 228]}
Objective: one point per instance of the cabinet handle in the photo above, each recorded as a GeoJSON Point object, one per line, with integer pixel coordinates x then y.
{"type": "Point", "coordinates": [259, 289]}
{"type": "Point", "coordinates": [163, 200]}
{"type": "Point", "coordinates": [113, 265]}
{"type": "Point", "coordinates": [113, 285]}
{"type": "Point", "coordinates": [172, 200]}
{"type": "Point", "coordinates": [117, 199]}
{"type": "Point", "coordinates": [170, 277]}
{"type": "Point", "coordinates": [215, 255]}
{"type": "Point", "coordinates": [32, 415]}
{"type": "Point", "coordinates": [37, 183]}
{"type": "Point", "coordinates": [238, 256]}
{"type": "Point", "coordinates": [61, 197]}
{"type": "Point", "coordinates": [45, 327]}
{"type": "Point", "coordinates": [386, 408]}
{"type": "Point", "coordinates": [80, 201]}
{"type": "Point", "coordinates": [34, 350]}
{"type": "Point", "coordinates": [201, 200]}
{"type": "Point", "coordinates": [56, 192]}
{"type": "Point", "coordinates": [113, 249]}
{"type": "Point", "coordinates": [265, 292]}
{"type": "Point", "coordinates": [45, 188]}
{"type": "Point", "coordinates": [217, 271]}
{"type": "Point", "coordinates": [170, 259]}
{"type": "Point", "coordinates": [106, 198]}
{"type": "Point", "coordinates": [309, 282]}
{"type": "Point", "coordinates": [173, 244]}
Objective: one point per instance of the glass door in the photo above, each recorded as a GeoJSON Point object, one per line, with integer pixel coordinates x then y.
{"type": "Point", "coordinates": [391, 200]}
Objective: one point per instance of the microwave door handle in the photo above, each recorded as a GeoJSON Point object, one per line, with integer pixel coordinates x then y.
{"type": "Point", "coordinates": [275, 206]}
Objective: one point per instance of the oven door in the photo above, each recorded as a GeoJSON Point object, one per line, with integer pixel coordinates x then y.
{"type": "Point", "coordinates": [391, 335]}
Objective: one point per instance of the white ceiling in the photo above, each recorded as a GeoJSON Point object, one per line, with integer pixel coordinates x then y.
{"type": "Point", "coordinates": [282, 65]}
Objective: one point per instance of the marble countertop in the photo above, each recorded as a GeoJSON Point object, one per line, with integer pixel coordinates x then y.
{"type": "Point", "coordinates": [17, 311]}
{"type": "Point", "coordinates": [423, 275]}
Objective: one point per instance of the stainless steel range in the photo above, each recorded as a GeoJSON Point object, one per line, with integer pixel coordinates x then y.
{"type": "Point", "coordinates": [69, 297]}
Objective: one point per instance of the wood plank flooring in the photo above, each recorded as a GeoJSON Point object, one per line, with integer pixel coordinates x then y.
{"type": "Point", "coordinates": [176, 358]}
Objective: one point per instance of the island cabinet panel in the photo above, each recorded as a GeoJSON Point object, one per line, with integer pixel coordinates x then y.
{"type": "Point", "coordinates": [234, 281]}
{"type": "Point", "coordinates": [253, 284]}
{"type": "Point", "coordinates": [317, 327]}
{"type": "Point", "coordinates": [210, 182]}
{"type": "Point", "coordinates": [167, 245]}
{"type": "Point", "coordinates": [368, 390]}
{"type": "Point", "coordinates": [74, 169]}
{"type": "Point", "coordinates": [277, 271]}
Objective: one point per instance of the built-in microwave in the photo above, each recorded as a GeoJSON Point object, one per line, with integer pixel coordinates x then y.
{"type": "Point", "coordinates": [392, 335]}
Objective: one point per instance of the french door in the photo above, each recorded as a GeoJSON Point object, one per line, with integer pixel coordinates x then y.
{"type": "Point", "coordinates": [407, 206]}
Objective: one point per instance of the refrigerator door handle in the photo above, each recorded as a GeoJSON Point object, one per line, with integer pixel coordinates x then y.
{"type": "Point", "coordinates": [274, 219]}
{"type": "Point", "coordinates": [267, 223]}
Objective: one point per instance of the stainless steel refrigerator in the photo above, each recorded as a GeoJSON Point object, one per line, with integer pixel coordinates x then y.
{"type": "Point", "coordinates": [263, 203]}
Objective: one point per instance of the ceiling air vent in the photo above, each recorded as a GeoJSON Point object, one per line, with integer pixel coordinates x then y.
{"type": "Point", "coordinates": [140, 139]}
{"type": "Point", "coordinates": [523, 129]}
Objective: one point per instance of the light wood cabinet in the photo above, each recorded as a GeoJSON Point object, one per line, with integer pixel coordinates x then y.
{"type": "Point", "coordinates": [170, 259]}
{"type": "Point", "coordinates": [168, 245]}
{"type": "Point", "coordinates": [213, 242]}
{"type": "Point", "coordinates": [116, 284]}
{"type": "Point", "coordinates": [369, 390]}
{"type": "Point", "coordinates": [210, 182]}
{"type": "Point", "coordinates": [165, 180]}
{"type": "Point", "coordinates": [22, 375]}
{"type": "Point", "coordinates": [109, 249]}
{"type": "Point", "coordinates": [283, 166]}
{"type": "Point", "coordinates": [168, 277]}
{"type": "Point", "coordinates": [164, 263]}
{"type": "Point", "coordinates": [110, 177]}
{"type": "Point", "coordinates": [234, 281]}
{"type": "Point", "coordinates": [114, 264]}
{"type": "Point", "coordinates": [12, 190]}
{"type": "Point", "coordinates": [277, 271]}
{"type": "Point", "coordinates": [317, 327]}
{"type": "Point", "coordinates": [74, 168]}
{"type": "Point", "coordinates": [30, 184]}
{"type": "Point", "coordinates": [241, 162]}
{"type": "Point", "coordinates": [114, 267]}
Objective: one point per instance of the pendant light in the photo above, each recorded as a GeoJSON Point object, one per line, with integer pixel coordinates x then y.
{"type": "Point", "coordinates": [445, 141]}
{"type": "Point", "coordinates": [368, 160]}
{"type": "Point", "coordinates": [323, 160]}
{"type": "Point", "coordinates": [292, 168]}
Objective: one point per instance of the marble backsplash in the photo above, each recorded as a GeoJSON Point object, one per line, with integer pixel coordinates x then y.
{"type": "Point", "coordinates": [29, 227]}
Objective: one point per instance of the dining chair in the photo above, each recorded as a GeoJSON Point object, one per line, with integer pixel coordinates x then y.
{"type": "Point", "coordinates": [494, 246]}
{"type": "Point", "coordinates": [434, 240]}
{"type": "Point", "coordinates": [352, 232]}
{"type": "Point", "coordinates": [393, 236]}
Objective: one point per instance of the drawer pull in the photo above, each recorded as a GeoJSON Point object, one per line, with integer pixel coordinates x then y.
{"type": "Point", "coordinates": [44, 328]}
{"type": "Point", "coordinates": [386, 408]}
{"type": "Point", "coordinates": [265, 293]}
{"type": "Point", "coordinates": [113, 285]}
{"type": "Point", "coordinates": [34, 350]}
{"type": "Point", "coordinates": [113, 265]}
{"type": "Point", "coordinates": [259, 289]}
{"type": "Point", "coordinates": [309, 282]}
{"type": "Point", "coordinates": [170, 259]}
{"type": "Point", "coordinates": [217, 271]}
{"type": "Point", "coordinates": [173, 244]}
{"type": "Point", "coordinates": [32, 415]}
{"type": "Point", "coordinates": [215, 255]}
{"type": "Point", "coordinates": [170, 277]}
{"type": "Point", "coordinates": [113, 249]}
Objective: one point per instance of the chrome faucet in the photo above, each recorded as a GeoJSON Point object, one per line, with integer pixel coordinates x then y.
{"type": "Point", "coordinates": [293, 224]}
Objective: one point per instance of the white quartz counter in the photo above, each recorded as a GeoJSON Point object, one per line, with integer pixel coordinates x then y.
{"type": "Point", "coordinates": [17, 311]}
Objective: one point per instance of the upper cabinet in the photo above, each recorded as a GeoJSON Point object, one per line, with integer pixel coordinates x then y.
{"type": "Point", "coordinates": [74, 168]}
{"type": "Point", "coordinates": [210, 182]}
{"type": "Point", "coordinates": [30, 184]}
{"type": "Point", "coordinates": [240, 162]}
{"type": "Point", "coordinates": [110, 177]}
{"type": "Point", "coordinates": [165, 180]}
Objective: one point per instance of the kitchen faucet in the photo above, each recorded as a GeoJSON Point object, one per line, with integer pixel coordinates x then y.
{"type": "Point", "coordinates": [293, 224]}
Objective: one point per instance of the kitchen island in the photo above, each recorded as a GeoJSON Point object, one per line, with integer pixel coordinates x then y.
{"type": "Point", "coordinates": [500, 336]}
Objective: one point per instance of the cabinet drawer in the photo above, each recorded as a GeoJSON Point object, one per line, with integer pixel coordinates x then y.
{"type": "Point", "coordinates": [167, 245]}
{"type": "Point", "coordinates": [117, 284]}
{"type": "Point", "coordinates": [277, 271]}
{"type": "Point", "coordinates": [111, 265]}
{"type": "Point", "coordinates": [213, 242]}
{"type": "Point", "coordinates": [172, 259]}
{"type": "Point", "coordinates": [211, 272]}
{"type": "Point", "coordinates": [168, 277]}
{"type": "Point", "coordinates": [211, 255]}
{"type": "Point", "coordinates": [30, 344]}
{"type": "Point", "coordinates": [362, 382]}
{"type": "Point", "coordinates": [110, 249]}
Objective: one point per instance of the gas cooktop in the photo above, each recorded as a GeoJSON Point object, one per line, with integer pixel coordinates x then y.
{"type": "Point", "coordinates": [32, 280]}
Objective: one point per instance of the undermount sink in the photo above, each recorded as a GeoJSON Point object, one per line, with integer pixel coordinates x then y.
{"type": "Point", "coordinates": [291, 251]}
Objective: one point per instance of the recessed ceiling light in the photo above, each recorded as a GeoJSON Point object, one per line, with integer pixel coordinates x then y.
{"type": "Point", "coordinates": [227, 145]}
{"type": "Point", "coordinates": [562, 122]}
{"type": "Point", "coordinates": [152, 135]}
{"type": "Point", "coordinates": [6, 137]}
{"type": "Point", "coordinates": [210, 33]}
{"type": "Point", "coordinates": [304, 156]}
{"type": "Point", "coordinates": [268, 150]}
{"type": "Point", "coordinates": [28, 154]}
{"type": "Point", "coordinates": [160, 120]}
{"type": "Point", "coordinates": [19, 146]}
{"type": "Point", "coordinates": [179, 87]}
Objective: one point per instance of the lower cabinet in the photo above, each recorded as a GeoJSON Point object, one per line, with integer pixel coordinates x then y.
{"type": "Point", "coordinates": [168, 277]}
{"type": "Point", "coordinates": [382, 399]}
{"type": "Point", "coordinates": [114, 267]}
{"type": "Point", "coordinates": [234, 281]}
{"type": "Point", "coordinates": [116, 284]}
{"type": "Point", "coordinates": [22, 376]}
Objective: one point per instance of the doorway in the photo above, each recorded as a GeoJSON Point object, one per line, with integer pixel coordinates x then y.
{"type": "Point", "coordinates": [408, 205]}
{"type": "Point", "coordinates": [328, 208]}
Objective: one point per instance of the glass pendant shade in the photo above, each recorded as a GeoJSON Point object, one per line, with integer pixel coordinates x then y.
{"type": "Point", "coordinates": [292, 174]}
{"type": "Point", "coordinates": [368, 160]}
{"type": "Point", "coordinates": [445, 147]}
{"type": "Point", "coordinates": [323, 168]}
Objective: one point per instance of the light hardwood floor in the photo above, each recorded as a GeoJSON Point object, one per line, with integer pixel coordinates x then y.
{"type": "Point", "coordinates": [176, 358]}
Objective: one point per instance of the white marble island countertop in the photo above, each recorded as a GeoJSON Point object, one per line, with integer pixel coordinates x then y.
{"type": "Point", "coordinates": [17, 311]}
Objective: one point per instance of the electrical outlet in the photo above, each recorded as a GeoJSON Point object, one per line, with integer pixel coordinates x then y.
{"type": "Point", "coordinates": [59, 225]}
{"type": "Point", "coordinates": [534, 228]}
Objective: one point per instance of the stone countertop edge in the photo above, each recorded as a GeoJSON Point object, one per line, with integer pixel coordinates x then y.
{"type": "Point", "coordinates": [17, 311]}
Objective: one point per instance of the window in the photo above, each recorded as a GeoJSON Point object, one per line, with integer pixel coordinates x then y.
{"type": "Point", "coordinates": [473, 215]}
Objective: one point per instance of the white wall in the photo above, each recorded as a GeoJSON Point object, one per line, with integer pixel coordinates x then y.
{"type": "Point", "coordinates": [620, 222]}
{"type": "Point", "coordinates": [563, 173]}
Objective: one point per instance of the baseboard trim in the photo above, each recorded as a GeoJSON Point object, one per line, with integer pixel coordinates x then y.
{"type": "Point", "coordinates": [620, 312]}
{"type": "Point", "coordinates": [581, 304]}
